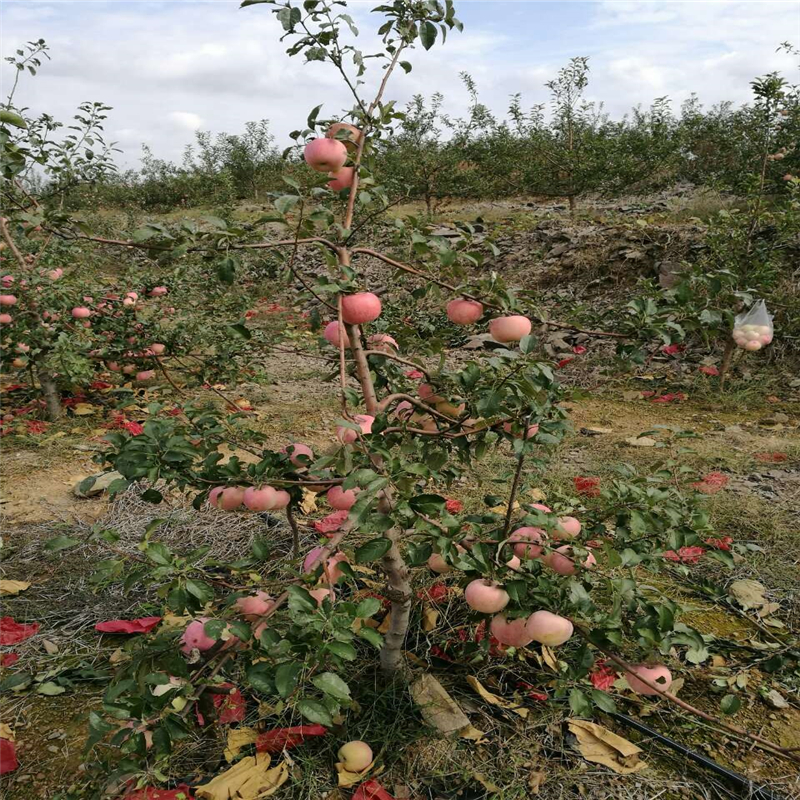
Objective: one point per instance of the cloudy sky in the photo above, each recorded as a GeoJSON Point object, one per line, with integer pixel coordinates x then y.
{"type": "Point", "coordinates": [169, 68]}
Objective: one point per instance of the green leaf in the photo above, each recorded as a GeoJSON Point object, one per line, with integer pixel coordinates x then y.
{"type": "Point", "coordinates": [152, 496]}
{"type": "Point", "coordinates": [10, 118]}
{"type": "Point", "coordinates": [372, 550]}
{"type": "Point", "coordinates": [603, 701]}
{"type": "Point", "coordinates": [50, 689]}
{"type": "Point", "coordinates": [343, 650]}
{"type": "Point", "coordinates": [730, 704]}
{"type": "Point", "coordinates": [579, 703]}
{"type": "Point", "coordinates": [367, 607]}
{"type": "Point", "coordinates": [372, 636]}
{"type": "Point", "coordinates": [406, 65]}
{"type": "Point", "coordinates": [332, 684]}
{"type": "Point", "coordinates": [60, 543]}
{"type": "Point", "coordinates": [427, 34]}
{"type": "Point", "coordinates": [286, 676]}
{"type": "Point", "coordinates": [301, 600]}
{"type": "Point", "coordinates": [16, 682]}
{"type": "Point", "coordinates": [240, 330]}
{"type": "Point", "coordinates": [314, 711]}
{"type": "Point", "coordinates": [159, 554]}
{"type": "Point", "coordinates": [202, 591]}
{"type": "Point", "coordinates": [427, 503]}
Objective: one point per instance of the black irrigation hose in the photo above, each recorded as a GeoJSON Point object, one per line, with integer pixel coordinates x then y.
{"type": "Point", "coordinates": [749, 789]}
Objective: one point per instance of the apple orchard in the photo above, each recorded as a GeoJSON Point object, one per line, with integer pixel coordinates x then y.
{"type": "Point", "coordinates": [566, 577]}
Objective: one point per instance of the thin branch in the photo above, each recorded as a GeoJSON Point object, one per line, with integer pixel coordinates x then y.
{"type": "Point", "coordinates": [11, 243]}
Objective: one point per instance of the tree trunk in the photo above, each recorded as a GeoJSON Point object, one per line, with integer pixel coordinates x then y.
{"type": "Point", "coordinates": [52, 397]}
{"type": "Point", "coordinates": [571, 200]}
{"type": "Point", "coordinates": [399, 592]}
{"type": "Point", "coordinates": [727, 357]}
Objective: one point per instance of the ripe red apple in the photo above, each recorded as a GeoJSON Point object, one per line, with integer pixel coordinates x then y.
{"type": "Point", "coordinates": [657, 673]}
{"type": "Point", "coordinates": [5, 319]}
{"type": "Point", "coordinates": [8, 300]}
{"type": "Point", "coordinates": [353, 134]}
{"type": "Point", "coordinates": [348, 435]}
{"type": "Point", "coordinates": [195, 637]}
{"type": "Point", "coordinates": [464, 312]}
{"type": "Point", "coordinates": [514, 632]}
{"type": "Point", "coordinates": [361, 307]}
{"type": "Point", "coordinates": [548, 628]}
{"type": "Point", "coordinates": [158, 348]}
{"type": "Point", "coordinates": [145, 375]}
{"type": "Point", "coordinates": [22, 348]}
{"type": "Point", "coordinates": [486, 596]}
{"type": "Point", "coordinates": [341, 179]}
{"type": "Point", "coordinates": [259, 499]}
{"type": "Point", "coordinates": [509, 329]}
{"type": "Point", "coordinates": [113, 366]}
{"type": "Point", "coordinates": [158, 291]}
{"type": "Point", "coordinates": [427, 393]}
{"type": "Point", "coordinates": [525, 535]}
{"type": "Point", "coordinates": [230, 498]}
{"type": "Point", "coordinates": [254, 606]}
{"type": "Point", "coordinates": [514, 563]}
{"type": "Point", "coordinates": [567, 528]}
{"type": "Point", "coordinates": [436, 563]}
{"type": "Point", "coordinates": [542, 507]}
{"type": "Point", "coordinates": [282, 499]}
{"type": "Point", "coordinates": [333, 570]}
{"type": "Point", "coordinates": [213, 495]}
{"type": "Point", "coordinates": [342, 499]}
{"type": "Point", "coordinates": [297, 453]}
{"type": "Point", "coordinates": [404, 409]}
{"type": "Point", "coordinates": [355, 756]}
{"type": "Point", "coordinates": [331, 334]}
{"type": "Point", "coordinates": [382, 342]}
{"type": "Point", "coordinates": [6, 280]}
{"type": "Point", "coordinates": [561, 560]}
{"type": "Point", "coordinates": [325, 155]}
{"type": "Point", "coordinates": [80, 312]}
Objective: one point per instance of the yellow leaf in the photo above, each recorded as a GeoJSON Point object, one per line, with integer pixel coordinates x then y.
{"type": "Point", "coordinates": [250, 779]}
{"type": "Point", "coordinates": [430, 618]}
{"type": "Point", "coordinates": [536, 781]}
{"type": "Point", "coordinates": [439, 710]}
{"type": "Point", "coordinates": [13, 587]}
{"type": "Point", "coordinates": [346, 778]}
{"type": "Point", "coordinates": [6, 732]}
{"type": "Point", "coordinates": [386, 624]}
{"type": "Point", "coordinates": [490, 787]}
{"type": "Point", "coordinates": [242, 402]}
{"type": "Point", "coordinates": [175, 621]}
{"type": "Point", "coordinates": [550, 659]}
{"type": "Point", "coordinates": [309, 502]}
{"type": "Point", "coordinates": [83, 409]}
{"type": "Point", "coordinates": [237, 739]}
{"type": "Point", "coordinates": [503, 508]}
{"type": "Point", "coordinates": [537, 495]}
{"type": "Point", "coordinates": [601, 746]}
{"type": "Point", "coordinates": [494, 700]}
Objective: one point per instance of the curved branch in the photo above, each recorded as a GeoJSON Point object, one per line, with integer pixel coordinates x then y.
{"type": "Point", "coordinates": [394, 357]}
{"type": "Point", "coordinates": [387, 401]}
{"type": "Point", "coordinates": [12, 245]}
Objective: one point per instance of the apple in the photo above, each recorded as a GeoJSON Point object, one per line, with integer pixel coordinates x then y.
{"type": "Point", "coordinates": [348, 435]}
{"type": "Point", "coordinates": [427, 393]}
{"type": "Point", "coordinates": [561, 561]}
{"type": "Point", "coordinates": [262, 499]}
{"type": "Point", "coordinates": [325, 155]}
{"type": "Point", "coordinates": [230, 498]}
{"type": "Point", "coordinates": [8, 300]}
{"type": "Point", "coordinates": [320, 594]}
{"type": "Point", "coordinates": [548, 628]}
{"type": "Point", "coordinates": [213, 495]}
{"type": "Point", "coordinates": [656, 673]}
{"type": "Point", "coordinates": [486, 596]}
{"type": "Point", "coordinates": [355, 756]}
{"type": "Point", "coordinates": [341, 179]}
{"type": "Point", "coordinates": [333, 570]}
{"type": "Point", "coordinates": [529, 434]}
{"type": "Point", "coordinates": [158, 348]}
{"type": "Point", "coordinates": [525, 535]}
{"type": "Point", "coordinates": [254, 606]}
{"type": "Point", "coordinates": [145, 375]}
{"type": "Point", "coordinates": [158, 291]}
{"type": "Point", "coordinates": [282, 499]}
{"type": "Point", "coordinates": [353, 134]}
{"type": "Point", "coordinates": [542, 507]}
{"type": "Point", "coordinates": [464, 312]}
{"type": "Point", "coordinates": [509, 329]}
{"type": "Point", "coordinates": [341, 499]}
{"type": "Point", "coordinates": [436, 563]}
{"type": "Point", "coordinates": [195, 637]}
{"type": "Point", "coordinates": [361, 307]}
{"type": "Point", "coordinates": [298, 453]}
{"type": "Point", "coordinates": [80, 312]}
{"type": "Point", "coordinates": [514, 632]}
{"type": "Point", "coordinates": [382, 342]}
{"type": "Point", "coordinates": [331, 334]}
{"type": "Point", "coordinates": [567, 528]}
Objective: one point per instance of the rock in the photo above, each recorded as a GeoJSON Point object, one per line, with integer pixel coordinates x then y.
{"type": "Point", "coordinates": [94, 485]}
{"type": "Point", "coordinates": [668, 274]}
{"type": "Point", "coordinates": [775, 699]}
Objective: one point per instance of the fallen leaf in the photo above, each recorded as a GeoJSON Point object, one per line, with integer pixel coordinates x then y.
{"type": "Point", "coordinates": [597, 431]}
{"type": "Point", "coordinates": [503, 508]}
{"type": "Point", "coordinates": [175, 620]}
{"type": "Point", "coordinates": [549, 658]}
{"type": "Point", "coordinates": [237, 739]}
{"type": "Point", "coordinates": [12, 632]}
{"type": "Point", "coordinates": [490, 787]}
{"type": "Point", "coordinates": [386, 623]}
{"type": "Point", "coordinates": [372, 790]}
{"type": "Point", "coordinates": [774, 698]}
{"type": "Point", "coordinates": [251, 778]}
{"type": "Point", "coordinates": [430, 618]}
{"type": "Point", "coordinates": [51, 648]}
{"type": "Point", "coordinates": [439, 710]}
{"type": "Point", "coordinates": [601, 746]}
{"type": "Point", "coordinates": [83, 409]}
{"type": "Point", "coordinates": [536, 781]}
{"type": "Point", "coordinates": [279, 739]}
{"type": "Point", "coordinates": [8, 756]}
{"type": "Point", "coordinates": [537, 495]}
{"type": "Point", "coordinates": [309, 502]}
{"type": "Point", "coordinates": [632, 395]}
{"type": "Point", "coordinates": [6, 732]}
{"type": "Point", "coordinates": [748, 594]}
{"type": "Point", "coordinates": [345, 778]}
{"type": "Point", "coordinates": [13, 587]}
{"type": "Point", "coordinates": [494, 700]}
{"type": "Point", "coordinates": [641, 441]}
{"type": "Point", "coordinates": [141, 625]}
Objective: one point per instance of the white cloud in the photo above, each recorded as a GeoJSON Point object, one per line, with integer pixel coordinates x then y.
{"type": "Point", "coordinates": [186, 120]}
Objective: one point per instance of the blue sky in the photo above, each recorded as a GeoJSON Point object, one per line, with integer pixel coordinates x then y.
{"type": "Point", "coordinates": [169, 68]}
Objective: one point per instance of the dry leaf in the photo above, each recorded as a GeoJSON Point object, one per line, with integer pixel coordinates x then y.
{"type": "Point", "coordinates": [439, 710]}
{"type": "Point", "coordinates": [641, 441]}
{"type": "Point", "coordinates": [386, 624]}
{"type": "Point", "coordinates": [774, 698]}
{"type": "Point", "coordinates": [503, 508]}
{"type": "Point", "coordinates": [600, 430]}
{"type": "Point", "coordinates": [632, 395]}
{"type": "Point", "coordinates": [117, 656]}
{"type": "Point", "coordinates": [601, 746]}
{"type": "Point", "coordinates": [536, 781]}
{"type": "Point", "coordinates": [493, 788]}
{"type": "Point", "coordinates": [346, 778]}
{"type": "Point", "coordinates": [550, 659]}
{"type": "Point", "coordinates": [175, 621]}
{"type": "Point", "coordinates": [251, 778]}
{"type": "Point", "coordinates": [6, 732]}
{"type": "Point", "coordinates": [748, 594]}
{"type": "Point", "coordinates": [237, 739]}
{"type": "Point", "coordinates": [309, 502]}
{"type": "Point", "coordinates": [414, 659]}
{"type": "Point", "coordinates": [494, 700]}
{"type": "Point", "coordinates": [51, 648]}
{"type": "Point", "coordinates": [83, 409]}
{"type": "Point", "coordinates": [430, 618]}
{"type": "Point", "coordinates": [537, 495]}
{"type": "Point", "coordinates": [13, 587]}
{"type": "Point", "coordinates": [676, 686]}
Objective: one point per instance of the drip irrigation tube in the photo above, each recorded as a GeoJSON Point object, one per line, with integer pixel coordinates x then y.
{"type": "Point", "coordinates": [750, 790]}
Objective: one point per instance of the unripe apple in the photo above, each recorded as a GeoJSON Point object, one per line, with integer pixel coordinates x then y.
{"type": "Point", "coordinates": [361, 307]}
{"type": "Point", "coordinates": [158, 348]}
{"type": "Point", "coordinates": [254, 606]}
{"type": "Point", "coordinates": [509, 329]}
{"type": "Point", "coordinates": [262, 499]}
{"type": "Point", "coordinates": [486, 596]}
{"type": "Point", "coordinates": [298, 453]}
{"type": "Point", "coordinates": [353, 134]}
{"type": "Point", "coordinates": [549, 629]}
{"type": "Point", "coordinates": [331, 334]}
{"type": "Point", "coordinates": [348, 435]}
{"type": "Point", "coordinates": [325, 155]}
{"type": "Point", "coordinates": [561, 560]}
{"type": "Point", "coordinates": [282, 499]}
{"type": "Point", "coordinates": [8, 300]}
{"type": "Point", "coordinates": [355, 756]}
{"type": "Point", "coordinates": [341, 179]}
{"type": "Point", "coordinates": [230, 498]}
{"type": "Point", "coordinates": [342, 499]}
{"type": "Point", "coordinates": [514, 632]}
{"type": "Point", "coordinates": [524, 535]}
{"type": "Point", "coordinates": [656, 673]}
{"type": "Point", "coordinates": [567, 528]}
{"type": "Point", "coordinates": [382, 342]}
{"type": "Point", "coordinates": [464, 312]}
{"type": "Point", "coordinates": [195, 636]}
{"type": "Point", "coordinates": [145, 375]}
{"type": "Point", "coordinates": [80, 312]}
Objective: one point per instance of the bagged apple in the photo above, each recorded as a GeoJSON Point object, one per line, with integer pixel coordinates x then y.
{"type": "Point", "coordinates": [753, 329]}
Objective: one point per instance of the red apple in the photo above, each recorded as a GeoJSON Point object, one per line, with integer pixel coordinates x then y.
{"type": "Point", "coordinates": [262, 499]}
{"type": "Point", "coordinates": [341, 179]}
{"type": "Point", "coordinates": [525, 535]}
{"type": "Point", "coordinates": [361, 307]}
{"type": "Point", "coordinates": [549, 629]}
{"type": "Point", "coordinates": [464, 312]}
{"type": "Point", "coordinates": [509, 329]}
{"type": "Point", "coordinates": [342, 499]}
{"type": "Point", "coordinates": [325, 155]}
{"type": "Point", "coordinates": [656, 673]}
{"type": "Point", "coordinates": [331, 334]}
{"type": "Point", "coordinates": [486, 596]}
{"type": "Point", "coordinates": [514, 632]}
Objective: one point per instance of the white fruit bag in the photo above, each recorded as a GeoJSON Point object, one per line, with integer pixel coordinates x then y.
{"type": "Point", "coordinates": [753, 329]}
